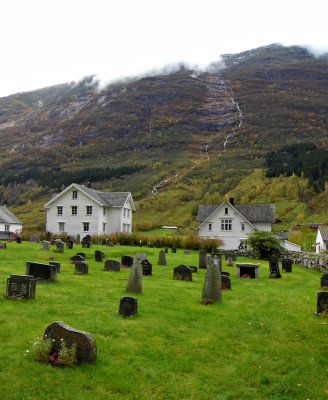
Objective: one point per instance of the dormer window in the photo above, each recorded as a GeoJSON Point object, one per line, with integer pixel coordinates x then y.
{"type": "Point", "coordinates": [74, 194]}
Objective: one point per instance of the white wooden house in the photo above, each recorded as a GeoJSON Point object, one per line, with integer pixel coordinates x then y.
{"type": "Point", "coordinates": [85, 211]}
{"type": "Point", "coordinates": [232, 223]}
{"type": "Point", "coordinates": [9, 224]}
{"type": "Point", "coordinates": [321, 240]}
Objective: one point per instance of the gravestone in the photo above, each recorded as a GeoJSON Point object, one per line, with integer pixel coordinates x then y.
{"type": "Point", "coordinates": [128, 306]}
{"type": "Point", "coordinates": [48, 236]}
{"type": "Point", "coordinates": [212, 284]}
{"type": "Point", "coordinates": [78, 239]}
{"type": "Point", "coordinates": [86, 242]}
{"type": "Point", "coordinates": [69, 244]}
{"type": "Point", "coordinates": [59, 246]}
{"type": "Point", "coordinates": [274, 268]}
{"type": "Point", "coordinates": [140, 243]}
{"type": "Point", "coordinates": [174, 250]}
{"type": "Point", "coordinates": [3, 245]}
{"type": "Point", "coordinates": [140, 256]}
{"type": "Point", "coordinates": [225, 273]}
{"type": "Point", "coordinates": [112, 265]}
{"type": "Point", "coordinates": [193, 268]}
{"type": "Point", "coordinates": [135, 279]}
{"type": "Point", "coordinates": [216, 259]}
{"type": "Point", "coordinates": [286, 265]}
{"type": "Point", "coordinates": [161, 258]}
{"type": "Point", "coordinates": [21, 286]}
{"type": "Point", "coordinates": [46, 245]}
{"type": "Point", "coordinates": [324, 281]}
{"type": "Point", "coordinates": [127, 261]}
{"type": "Point", "coordinates": [322, 303]}
{"type": "Point", "coordinates": [81, 267]}
{"type": "Point", "coordinates": [147, 268]}
{"type": "Point", "coordinates": [229, 262]}
{"type": "Point", "coordinates": [76, 258]}
{"type": "Point", "coordinates": [249, 269]}
{"type": "Point", "coordinates": [132, 243]}
{"type": "Point", "coordinates": [81, 253]}
{"type": "Point", "coordinates": [182, 273]}
{"type": "Point", "coordinates": [41, 271]}
{"type": "Point", "coordinates": [225, 282]}
{"type": "Point", "coordinates": [202, 262]}
{"type": "Point", "coordinates": [166, 250]}
{"type": "Point", "coordinates": [18, 239]}
{"type": "Point", "coordinates": [158, 244]}
{"type": "Point", "coordinates": [86, 349]}
{"type": "Point", "coordinates": [231, 255]}
{"type": "Point", "coordinates": [186, 252]}
{"type": "Point", "coordinates": [99, 255]}
{"type": "Point", "coordinates": [56, 264]}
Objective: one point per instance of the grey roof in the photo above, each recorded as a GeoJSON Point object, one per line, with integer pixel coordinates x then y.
{"type": "Point", "coordinates": [324, 232]}
{"type": "Point", "coordinates": [7, 217]}
{"type": "Point", "coordinates": [254, 212]}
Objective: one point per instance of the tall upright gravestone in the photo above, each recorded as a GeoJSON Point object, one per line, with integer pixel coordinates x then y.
{"type": "Point", "coordinates": [212, 284]}
{"type": "Point", "coordinates": [135, 279]}
{"type": "Point", "coordinates": [161, 258]}
{"type": "Point", "coordinates": [202, 260]}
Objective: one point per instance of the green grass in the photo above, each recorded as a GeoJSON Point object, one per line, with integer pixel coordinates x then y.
{"type": "Point", "coordinates": [159, 232]}
{"type": "Point", "coordinates": [262, 342]}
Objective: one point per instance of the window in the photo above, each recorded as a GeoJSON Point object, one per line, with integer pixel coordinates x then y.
{"type": "Point", "coordinates": [104, 227]}
{"type": "Point", "coordinates": [61, 226]}
{"type": "Point", "coordinates": [226, 224]}
{"type": "Point", "coordinates": [74, 194]}
{"type": "Point", "coordinates": [124, 212]}
{"type": "Point", "coordinates": [226, 210]}
{"type": "Point", "coordinates": [7, 228]}
{"type": "Point", "coordinates": [59, 210]}
{"type": "Point", "coordinates": [86, 226]}
{"type": "Point", "coordinates": [128, 212]}
{"type": "Point", "coordinates": [74, 210]}
{"type": "Point", "coordinates": [209, 227]}
{"type": "Point", "coordinates": [128, 228]}
{"type": "Point", "coordinates": [104, 211]}
{"type": "Point", "coordinates": [89, 210]}
{"type": "Point", "coordinates": [242, 226]}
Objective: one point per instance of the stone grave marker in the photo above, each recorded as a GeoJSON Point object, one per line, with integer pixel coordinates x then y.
{"type": "Point", "coordinates": [182, 273]}
{"type": "Point", "coordinates": [48, 236]}
{"type": "Point", "coordinates": [202, 262]}
{"type": "Point", "coordinates": [193, 268]}
{"type": "Point", "coordinates": [81, 267]}
{"type": "Point", "coordinates": [41, 271]}
{"type": "Point", "coordinates": [322, 303]}
{"type": "Point", "coordinates": [324, 281]}
{"type": "Point", "coordinates": [3, 245]}
{"type": "Point", "coordinates": [216, 259]}
{"type": "Point", "coordinates": [166, 250]}
{"type": "Point", "coordinates": [135, 279]}
{"type": "Point", "coordinates": [60, 246]}
{"type": "Point", "coordinates": [21, 286]}
{"type": "Point", "coordinates": [231, 255]}
{"type": "Point", "coordinates": [225, 273]}
{"type": "Point", "coordinates": [229, 262]}
{"type": "Point", "coordinates": [56, 264]}
{"type": "Point", "coordinates": [147, 268]}
{"type": "Point", "coordinates": [186, 252]}
{"type": "Point", "coordinates": [140, 256]}
{"type": "Point", "coordinates": [86, 348]}
{"type": "Point", "coordinates": [86, 242]}
{"type": "Point", "coordinates": [212, 284]}
{"type": "Point", "coordinates": [140, 243]}
{"type": "Point", "coordinates": [225, 282]}
{"type": "Point", "coordinates": [76, 258]}
{"type": "Point", "coordinates": [81, 253]}
{"type": "Point", "coordinates": [274, 268]}
{"type": "Point", "coordinates": [286, 265]}
{"type": "Point", "coordinates": [112, 265]}
{"type": "Point", "coordinates": [161, 258]}
{"type": "Point", "coordinates": [99, 255]}
{"type": "Point", "coordinates": [158, 244]}
{"type": "Point", "coordinates": [69, 244]}
{"type": "Point", "coordinates": [250, 270]}
{"type": "Point", "coordinates": [174, 250]}
{"type": "Point", "coordinates": [46, 245]}
{"type": "Point", "coordinates": [18, 239]}
{"type": "Point", "coordinates": [78, 239]}
{"type": "Point", "coordinates": [128, 306]}
{"type": "Point", "coordinates": [127, 261]}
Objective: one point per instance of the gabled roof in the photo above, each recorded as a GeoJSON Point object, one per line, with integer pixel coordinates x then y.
{"type": "Point", "coordinates": [324, 232]}
{"type": "Point", "coordinates": [108, 199]}
{"type": "Point", "coordinates": [253, 212]}
{"type": "Point", "coordinates": [6, 217]}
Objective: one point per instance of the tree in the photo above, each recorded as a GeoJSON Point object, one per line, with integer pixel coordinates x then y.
{"type": "Point", "coordinates": [264, 244]}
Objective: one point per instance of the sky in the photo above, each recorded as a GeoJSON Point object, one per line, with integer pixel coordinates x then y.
{"type": "Point", "coordinates": [48, 42]}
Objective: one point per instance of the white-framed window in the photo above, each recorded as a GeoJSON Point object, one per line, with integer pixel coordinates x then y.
{"type": "Point", "coordinates": [127, 228]}
{"type": "Point", "coordinates": [7, 227]}
{"type": "Point", "coordinates": [226, 224]}
{"type": "Point", "coordinates": [86, 226]}
{"type": "Point", "coordinates": [61, 226]}
{"type": "Point", "coordinates": [89, 210]}
{"type": "Point", "coordinates": [128, 212]}
{"type": "Point", "coordinates": [242, 226]}
{"type": "Point", "coordinates": [104, 227]}
{"type": "Point", "coordinates": [74, 194]}
{"type": "Point", "coordinates": [124, 212]}
{"type": "Point", "coordinates": [59, 210]}
{"type": "Point", "coordinates": [209, 227]}
{"type": "Point", "coordinates": [226, 211]}
{"type": "Point", "coordinates": [74, 210]}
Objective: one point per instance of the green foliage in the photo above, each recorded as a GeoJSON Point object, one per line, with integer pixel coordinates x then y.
{"type": "Point", "coordinates": [264, 244]}
{"type": "Point", "coordinates": [67, 355]}
{"type": "Point", "coordinates": [40, 350]}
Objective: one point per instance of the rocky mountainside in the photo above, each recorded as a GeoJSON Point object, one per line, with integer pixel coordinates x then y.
{"type": "Point", "coordinates": [166, 129]}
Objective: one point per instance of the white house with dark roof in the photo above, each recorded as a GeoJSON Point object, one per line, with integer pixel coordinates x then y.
{"type": "Point", "coordinates": [232, 223]}
{"type": "Point", "coordinates": [321, 240]}
{"type": "Point", "coordinates": [85, 211]}
{"type": "Point", "coordinates": [9, 224]}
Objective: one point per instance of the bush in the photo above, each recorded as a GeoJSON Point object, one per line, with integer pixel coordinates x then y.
{"type": "Point", "coordinates": [264, 244]}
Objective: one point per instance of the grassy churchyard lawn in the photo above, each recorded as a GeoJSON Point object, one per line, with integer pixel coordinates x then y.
{"type": "Point", "coordinates": [262, 341]}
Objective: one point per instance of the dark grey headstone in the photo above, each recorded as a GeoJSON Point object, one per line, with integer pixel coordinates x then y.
{"type": "Point", "coordinates": [140, 256]}
{"type": "Point", "coordinates": [112, 265]}
{"type": "Point", "coordinates": [18, 239]}
{"type": "Point", "coordinates": [86, 348]}
{"type": "Point", "coordinates": [324, 280]}
{"type": "Point", "coordinates": [286, 265]}
{"type": "Point", "coordinates": [182, 273]}
{"type": "Point", "coordinates": [86, 245]}
{"type": "Point", "coordinates": [60, 246]}
{"type": "Point", "coordinates": [231, 255]}
{"type": "Point", "coordinates": [128, 306]}
{"type": "Point", "coordinates": [99, 255]}
{"type": "Point", "coordinates": [161, 258]}
{"type": "Point", "coordinates": [322, 303]}
{"type": "Point", "coordinates": [135, 279]}
{"type": "Point", "coordinates": [147, 268]}
{"type": "Point", "coordinates": [41, 271]}
{"type": "Point", "coordinates": [21, 286]}
{"type": "Point", "coordinates": [69, 244]}
{"type": "Point", "coordinates": [127, 261]}
{"type": "Point", "coordinates": [274, 268]}
{"type": "Point", "coordinates": [212, 284]}
{"type": "Point", "coordinates": [158, 244]}
{"type": "Point", "coordinates": [202, 263]}
{"type": "Point", "coordinates": [166, 250]}
{"type": "Point", "coordinates": [76, 258]}
{"type": "Point", "coordinates": [48, 236]}
{"type": "Point", "coordinates": [56, 264]}
{"type": "Point", "coordinates": [193, 268]}
{"type": "Point", "coordinates": [81, 267]}
{"type": "Point", "coordinates": [225, 282]}
{"type": "Point", "coordinates": [174, 250]}
{"type": "Point", "coordinates": [46, 245]}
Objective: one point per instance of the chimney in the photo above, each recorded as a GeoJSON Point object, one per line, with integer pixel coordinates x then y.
{"type": "Point", "coordinates": [89, 184]}
{"type": "Point", "coordinates": [232, 201]}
